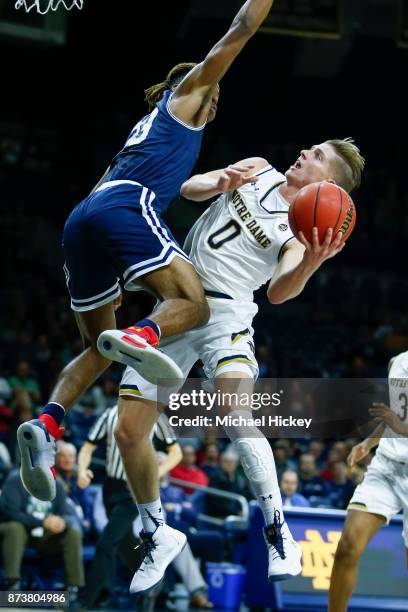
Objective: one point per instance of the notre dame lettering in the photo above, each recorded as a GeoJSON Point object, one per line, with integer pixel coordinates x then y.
{"type": "Point", "coordinates": [251, 224]}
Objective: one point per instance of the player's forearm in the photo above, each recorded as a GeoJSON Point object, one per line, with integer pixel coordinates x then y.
{"type": "Point", "coordinates": [289, 285]}
{"type": "Point", "coordinates": [201, 187]}
{"type": "Point", "coordinates": [374, 440]}
{"type": "Point", "coordinates": [401, 429]}
{"type": "Point", "coordinates": [252, 15]}
{"type": "Point", "coordinates": [85, 456]}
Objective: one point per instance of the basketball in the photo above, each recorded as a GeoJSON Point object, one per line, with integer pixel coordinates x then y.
{"type": "Point", "coordinates": [323, 205]}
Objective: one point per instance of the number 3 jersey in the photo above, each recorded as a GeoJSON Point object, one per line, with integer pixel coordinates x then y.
{"type": "Point", "coordinates": [391, 444]}
{"type": "Point", "coordinates": [236, 244]}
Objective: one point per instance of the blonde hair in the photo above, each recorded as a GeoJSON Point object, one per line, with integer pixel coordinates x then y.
{"type": "Point", "coordinates": [154, 93]}
{"type": "Point", "coordinates": [350, 164]}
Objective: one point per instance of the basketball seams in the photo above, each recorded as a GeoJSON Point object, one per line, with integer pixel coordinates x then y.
{"type": "Point", "coordinates": [316, 202]}
{"type": "Point", "coordinates": [292, 216]}
{"type": "Point", "coordinates": [340, 211]}
{"type": "Point", "coordinates": [353, 208]}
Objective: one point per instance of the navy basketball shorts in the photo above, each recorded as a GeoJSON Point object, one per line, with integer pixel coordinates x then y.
{"type": "Point", "coordinates": [111, 238]}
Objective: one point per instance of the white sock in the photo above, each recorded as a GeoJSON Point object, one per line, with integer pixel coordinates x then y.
{"type": "Point", "coordinates": [151, 515]}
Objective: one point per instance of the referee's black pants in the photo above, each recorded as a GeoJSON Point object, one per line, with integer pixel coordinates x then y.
{"type": "Point", "coordinates": [121, 511]}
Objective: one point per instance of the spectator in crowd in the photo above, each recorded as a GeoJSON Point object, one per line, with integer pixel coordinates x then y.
{"type": "Point", "coordinates": [267, 366]}
{"type": "Point", "coordinates": [188, 470]}
{"type": "Point", "coordinates": [289, 483]}
{"type": "Point", "coordinates": [317, 448]}
{"type": "Point", "coordinates": [80, 499]}
{"type": "Point", "coordinates": [22, 412]}
{"type": "Point", "coordinates": [110, 390]}
{"type": "Point", "coordinates": [327, 473]}
{"type": "Point", "coordinates": [6, 413]}
{"type": "Point", "coordinates": [42, 358]}
{"type": "Point", "coordinates": [46, 526]}
{"type": "Point", "coordinates": [342, 451]}
{"type": "Point", "coordinates": [227, 479]}
{"type": "Point", "coordinates": [24, 381]}
{"type": "Point", "coordinates": [211, 461]}
{"type": "Point", "coordinates": [281, 449]}
{"type": "Point", "coordinates": [5, 462]}
{"type": "Point", "coordinates": [342, 487]}
{"type": "Point", "coordinates": [5, 390]}
{"type": "Point", "coordinates": [311, 484]}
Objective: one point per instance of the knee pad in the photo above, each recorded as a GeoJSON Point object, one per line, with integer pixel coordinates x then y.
{"type": "Point", "coordinates": [256, 458]}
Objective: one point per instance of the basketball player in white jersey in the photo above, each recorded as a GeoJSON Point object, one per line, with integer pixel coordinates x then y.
{"type": "Point", "coordinates": [384, 490]}
{"type": "Point", "coordinates": [242, 241]}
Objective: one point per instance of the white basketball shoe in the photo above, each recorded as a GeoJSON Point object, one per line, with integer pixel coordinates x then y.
{"type": "Point", "coordinates": [157, 550]}
{"type": "Point", "coordinates": [285, 554]}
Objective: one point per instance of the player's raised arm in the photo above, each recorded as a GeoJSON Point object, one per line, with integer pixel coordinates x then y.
{"type": "Point", "coordinates": [195, 90]}
{"type": "Point", "coordinates": [299, 262]}
{"type": "Point", "coordinates": [201, 187]}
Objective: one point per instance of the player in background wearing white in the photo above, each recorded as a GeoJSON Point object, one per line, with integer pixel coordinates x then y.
{"type": "Point", "coordinates": [384, 489]}
{"type": "Point", "coordinates": [242, 241]}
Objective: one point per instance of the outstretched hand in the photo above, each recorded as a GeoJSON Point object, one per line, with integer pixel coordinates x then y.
{"type": "Point", "coordinates": [235, 176]}
{"type": "Point", "coordinates": [316, 253]}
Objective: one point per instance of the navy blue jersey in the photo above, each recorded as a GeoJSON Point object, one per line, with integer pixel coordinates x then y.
{"type": "Point", "coordinates": [160, 153]}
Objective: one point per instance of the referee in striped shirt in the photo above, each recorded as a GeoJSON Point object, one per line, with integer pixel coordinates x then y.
{"type": "Point", "coordinates": [120, 507]}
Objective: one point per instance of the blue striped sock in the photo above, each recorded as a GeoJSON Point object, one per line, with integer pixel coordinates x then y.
{"type": "Point", "coordinates": [149, 323]}
{"type": "Point", "coordinates": [56, 411]}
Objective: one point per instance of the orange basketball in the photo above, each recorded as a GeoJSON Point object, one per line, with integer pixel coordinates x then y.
{"type": "Point", "coordinates": [323, 205]}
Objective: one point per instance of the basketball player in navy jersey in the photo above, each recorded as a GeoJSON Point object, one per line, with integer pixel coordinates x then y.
{"type": "Point", "coordinates": [116, 235]}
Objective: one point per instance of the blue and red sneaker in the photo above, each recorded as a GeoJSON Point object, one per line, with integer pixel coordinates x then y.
{"type": "Point", "coordinates": [137, 347]}
{"type": "Point", "coordinates": [37, 442]}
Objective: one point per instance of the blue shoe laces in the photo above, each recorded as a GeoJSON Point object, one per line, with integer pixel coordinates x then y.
{"type": "Point", "coordinates": [274, 537]}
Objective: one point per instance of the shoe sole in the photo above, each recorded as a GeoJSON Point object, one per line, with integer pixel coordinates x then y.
{"type": "Point", "coordinates": [149, 362]}
{"type": "Point", "coordinates": [280, 577]}
{"type": "Point", "coordinates": [156, 584]}
{"type": "Point", "coordinates": [37, 479]}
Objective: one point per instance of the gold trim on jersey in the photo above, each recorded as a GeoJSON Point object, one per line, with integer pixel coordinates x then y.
{"type": "Point", "coordinates": [233, 359]}
{"type": "Point", "coordinates": [237, 336]}
{"type": "Point", "coordinates": [358, 505]}
{"type": "Point", "coordinates": [129, 390]}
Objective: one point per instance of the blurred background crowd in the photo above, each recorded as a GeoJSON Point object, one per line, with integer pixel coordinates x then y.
{"type": "Point", "coordinates": [348, 322]}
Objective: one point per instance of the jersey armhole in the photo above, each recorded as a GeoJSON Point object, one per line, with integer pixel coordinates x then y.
{"type": "Point", "coordinates": [282, 249]}
{"type": "Point", "coordinates": [173, 116]}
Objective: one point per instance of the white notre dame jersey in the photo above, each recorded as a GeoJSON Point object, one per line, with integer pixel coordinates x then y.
{"type": "Point", "coordinates": [391, 445]}
{"type": "Point", "coordinates": [236, 244]}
